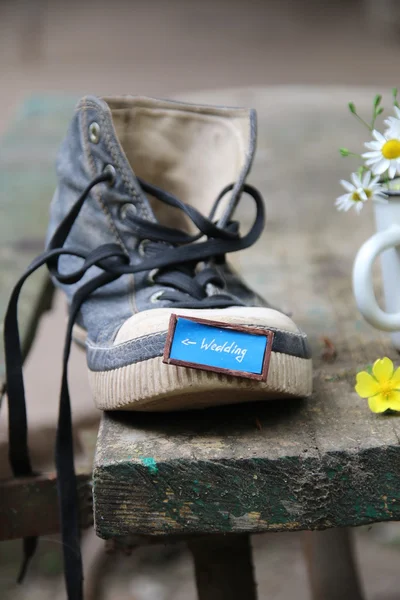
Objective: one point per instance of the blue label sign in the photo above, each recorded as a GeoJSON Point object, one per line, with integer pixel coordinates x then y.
{"type": "Point", "coordinates": [217, 347]}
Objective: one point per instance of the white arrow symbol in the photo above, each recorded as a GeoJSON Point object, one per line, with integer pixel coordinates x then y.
{"type": "Point", "coordinates": [187, 342]}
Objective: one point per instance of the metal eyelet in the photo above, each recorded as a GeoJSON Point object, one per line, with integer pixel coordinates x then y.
{"type": "Point", "coordinates": [152, 275]}
{"type": "Point", "coordinates": [156, 297]}
{"type": "Point", "coordinates": [142, 247]}
{"type": "Point", "coordinates": [126, 208]}
{"type": "Point", "coordinates": [113, 174]}
{"type": "Point", "coordinates": [94, 132]}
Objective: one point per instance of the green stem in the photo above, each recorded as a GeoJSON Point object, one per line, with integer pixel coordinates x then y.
{"type": "Point", "coordinates": [373, 120]}
{"type": "Point", "coordinates": [362, 121]}
{"type": "Point", "coordinates": [345, 152]}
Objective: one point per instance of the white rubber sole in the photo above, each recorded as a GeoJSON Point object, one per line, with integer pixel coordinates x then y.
{"type": "Point", "coordinates": [151, 385]}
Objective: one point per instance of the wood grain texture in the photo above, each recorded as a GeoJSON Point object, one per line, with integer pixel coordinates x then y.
{"type": "Point", "coordinates": [278, 466]}
{"type": "Point", "coordinates": [27, 183]}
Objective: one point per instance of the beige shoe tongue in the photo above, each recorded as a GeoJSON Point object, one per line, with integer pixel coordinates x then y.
{"type": "Point", "coordinates": [190, 151]}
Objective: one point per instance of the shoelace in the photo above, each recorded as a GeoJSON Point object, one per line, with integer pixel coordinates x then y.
{"type": "Point", "coordinates": [174, 256]}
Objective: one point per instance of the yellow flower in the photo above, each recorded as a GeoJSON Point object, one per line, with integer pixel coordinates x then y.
{"type": "Point", "coordinates": [382, 388]}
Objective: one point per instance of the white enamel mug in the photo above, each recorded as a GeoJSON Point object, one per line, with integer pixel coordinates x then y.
{"type": "Point", "coordinates": [386, 244]}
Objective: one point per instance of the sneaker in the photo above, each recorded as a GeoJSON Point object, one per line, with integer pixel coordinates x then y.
{"type": "Point", "coordinates": [140, 226]}
{"type": "Point", "coordinates": [156, 152]}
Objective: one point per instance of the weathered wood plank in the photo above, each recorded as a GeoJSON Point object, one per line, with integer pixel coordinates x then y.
{"type": "Point", "coordinates": [314, 464]}
{"type": "Point", "coordinates": [27, 183]}
{"type": "Point", "coordinates": [29, 507]}
{"type": "Point", "coordinates": [221, 474]}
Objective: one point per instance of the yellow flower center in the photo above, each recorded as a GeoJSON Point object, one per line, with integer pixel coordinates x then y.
{"type": "Point", "coordinates": [356, 197]}
{"type": "Point", "coordinates": [368, 193]}
{"type": "Point", "coordinates": [391, 149]}
{"type": "Point", "coordinates": [386, 388]}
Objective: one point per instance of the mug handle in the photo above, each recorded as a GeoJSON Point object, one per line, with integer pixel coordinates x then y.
{"type": "Point", "coordinates": [362, 279]}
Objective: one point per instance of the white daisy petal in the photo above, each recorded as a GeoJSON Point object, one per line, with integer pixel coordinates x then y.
{"type": "Point", "coordinates": [394, 131]}
{"type": "Point", "coordinates": [378, 136]}
{"type": "Point", "coordinates": [392, 122]}
{"type": "Point", "coordinates": [347, 206]}
{"type": "Point", "coordinates": [347, 185]}
{"type": "Point", "coordinates": [356, 180]}
{"type": "Point", "coordinates": [381, 166]}
{"type": "Point", "coordinates": [363, 195]}
{"type": "Point", "coordinates": [383, 157]}
{"type": "Point", "coordinates": [392, 169]}
{"type": "Point", "coordinates": [373, 154]}
{"type": "Point", "coordinates": [343, 198]}
{"type": "Point", "coordinates": [340, 205]}
{"type": "Point", "coordinates": [386, 155]}
{"type": "Point", "coordinates": [344, 202]}
{"type": "Point", "coordinates": [366, 179]}
{"type": "Point", "coordinates": [372, 161]}
{"type": "Point", "coordinates": [373, 145]}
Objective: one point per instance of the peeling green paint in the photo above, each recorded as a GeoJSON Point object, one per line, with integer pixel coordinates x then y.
{"type": "Point", "coordinates": [150, 463]}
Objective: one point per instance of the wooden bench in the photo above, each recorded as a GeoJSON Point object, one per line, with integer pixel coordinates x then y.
{"type": "Point", "coordinates": [27, 182]}
{"type": "Point", "coordinates": [214, 477]}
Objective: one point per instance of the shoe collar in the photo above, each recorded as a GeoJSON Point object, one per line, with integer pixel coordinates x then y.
{"type": "Point", "coordinates": [189, 150]}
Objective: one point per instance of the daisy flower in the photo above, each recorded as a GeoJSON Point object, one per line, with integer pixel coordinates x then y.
{"type": "Point", "coordinates": [359, 191]}
{"type": "Point", "coordinates": [393, 125]}
{"type": "Point", "coordinates": [382, 387]}
{"type": "Point", "coordinates": [384, 155]}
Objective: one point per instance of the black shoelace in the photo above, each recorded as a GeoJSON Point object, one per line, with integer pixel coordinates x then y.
{"type": "Point", "coordinates": [172, 256]}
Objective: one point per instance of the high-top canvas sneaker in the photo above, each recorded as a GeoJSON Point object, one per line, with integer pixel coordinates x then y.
{"type": "Point", "coordinates": [156, 152]}
{"type": "Point", "coordinates": [141, 224]}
